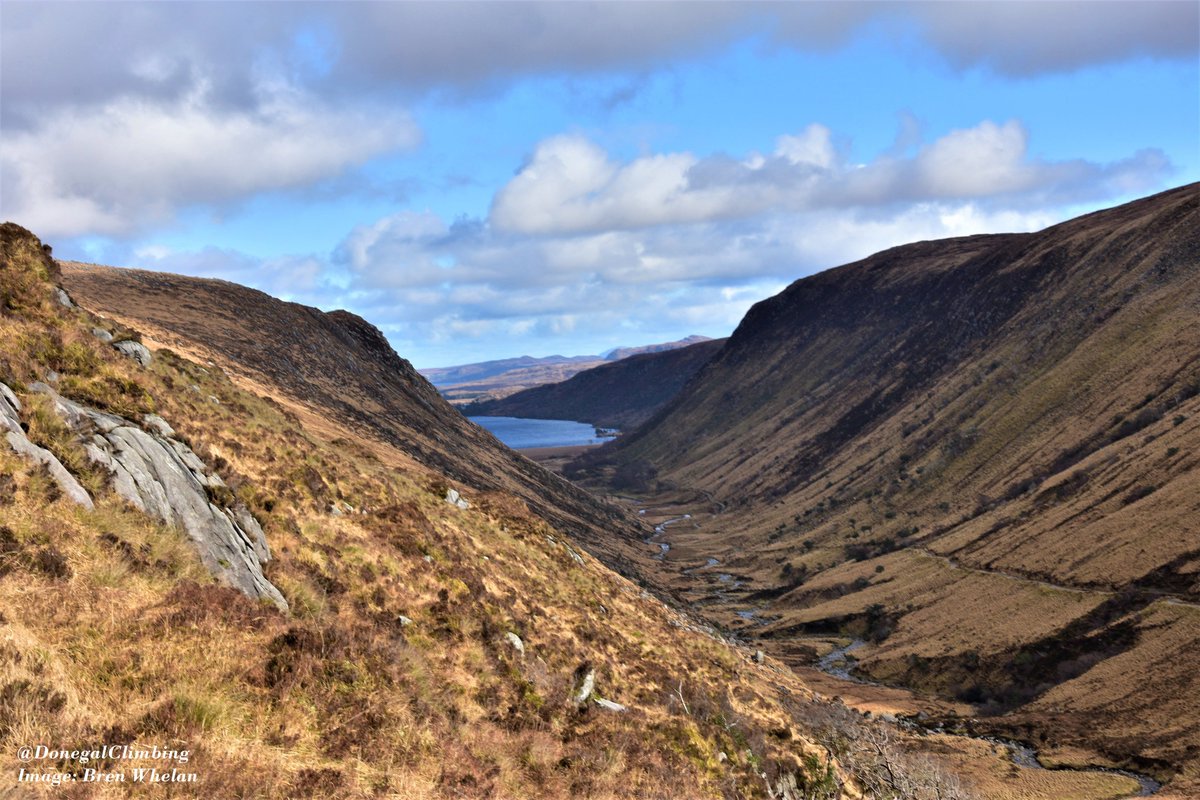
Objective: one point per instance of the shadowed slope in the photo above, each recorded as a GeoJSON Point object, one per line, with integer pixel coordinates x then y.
{"type": "Point", "coordinates": [621, 395]}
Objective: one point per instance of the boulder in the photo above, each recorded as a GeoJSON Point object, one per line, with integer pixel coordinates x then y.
{"type": "Point", "coordinates": [64, 299]}
{"type": "Point", "coordinates": [516, 642]}
{"type": "Point", "coordinates": [156, 424]}
{"type": "Point", "coordinates": [10, 410]}
{"type": "Point", "coordinates": [135, 350]}
{"type": "Point", "coordinates": [456, 500]}
{"type": "Point", "coordinates": [102, 335]}
{"type": "Point", "coordinates": [609, 705]}
{"type": "Point", "coordinates": [585, 684]}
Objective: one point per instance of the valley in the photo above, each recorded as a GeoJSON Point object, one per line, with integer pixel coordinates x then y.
{"type": "Point", "coordinates": [999, 759]}
{"type": "Point", "coordinates": [976, 456]}
{"type": "Point", "coordinates": [935, 541]}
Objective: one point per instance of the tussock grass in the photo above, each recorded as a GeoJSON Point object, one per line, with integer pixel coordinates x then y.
{"type": "Point", "coordinates": [113, 632]}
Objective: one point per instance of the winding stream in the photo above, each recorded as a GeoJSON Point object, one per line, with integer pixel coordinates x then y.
{"type": "Point", "coordinates": [659, 530]}
{"type": "Point", "coordinates": [838, 663]}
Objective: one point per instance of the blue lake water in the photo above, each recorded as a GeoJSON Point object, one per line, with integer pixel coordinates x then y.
{"type": "Point", "coordinates": [520, 433]}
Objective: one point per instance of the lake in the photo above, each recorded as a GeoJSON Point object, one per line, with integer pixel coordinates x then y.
{"type": "Point", "coordinates": [520, 434]}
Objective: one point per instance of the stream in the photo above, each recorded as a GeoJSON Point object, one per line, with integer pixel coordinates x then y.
{"type": "Point", "coordinates": [838, 663]}
{"type": "Point", "coordinates": [659, 530]}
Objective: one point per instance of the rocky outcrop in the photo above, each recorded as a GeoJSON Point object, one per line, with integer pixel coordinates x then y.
{"type": "Point", "coordinates": [609, 705]}
{"type": "Point", "coordinates": [10, 420]}
{"type": "Point", "coordinates": [135, 350]}
{"type": "Point", "coordinates": [455, 499]}
{"type": "Point", "coordinates": [585, 684]}
{"type": "Point", "coordinates": [161, 476]}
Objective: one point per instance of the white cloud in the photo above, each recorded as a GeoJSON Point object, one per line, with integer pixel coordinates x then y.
{"type": "Point", "coordinates": [446, 297]}
{"type": "Point", "coordinates": [981, 161]}
{"type": "Point", "coordinates": [570, 185]}
{"type": "Point", "coordinates": [526, 289]}
{"type": "Point", "coordinates": [1022, 39]}
{"type": "Point", "coordinates": [813, 146]}
{"type": "Point", "coordinates": [131, 163]}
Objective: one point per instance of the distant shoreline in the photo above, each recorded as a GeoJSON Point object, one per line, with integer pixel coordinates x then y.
{"type": "Point", "coordinates": [570, 450]}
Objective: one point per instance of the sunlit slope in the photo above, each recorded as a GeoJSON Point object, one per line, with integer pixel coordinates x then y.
{"type": "Point", "coordinates": [338, 368]}
{"type": "Point", "coordinates": [429, 649]}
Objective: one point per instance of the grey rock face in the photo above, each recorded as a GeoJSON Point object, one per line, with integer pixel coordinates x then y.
{"type": "Point", "coordinates": [102, 335]}
{"type": "Point", "coordinates": [516, 642]}
{"type": "Point", "coordinates": [164, 478]}
{"type": "Point", "coordinates": [10, 410]}
{"type": "Point", "coordinates": [609, 705]}
{"type": "Point", "coordinates": [135, 350]}
{"type": "Point", "coordinates": [10, 421]}
{"type": "Point", "coordinates": [456, 500]}
{"type": "Point", "coordinates": [156, 424]}
{"type": "Point", "coordinates": [64, 299]}
{"type": "Point", "coordinates": [65, 480]}
{"type": "Point", "coordinates": [587, 684]}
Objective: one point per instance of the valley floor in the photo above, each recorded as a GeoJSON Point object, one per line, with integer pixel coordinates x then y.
{"type": "Point", "coordinates": [699, 566]}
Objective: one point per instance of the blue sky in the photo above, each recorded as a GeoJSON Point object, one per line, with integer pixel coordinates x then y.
{"type": "Point", "coordinates": [489, 179]}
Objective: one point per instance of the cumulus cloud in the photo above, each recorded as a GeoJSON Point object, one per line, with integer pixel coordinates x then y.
{"type": "Point", "coordinates": [195, 102]}
{"type": "Point", "coordinates": [571, 185]}
{"type": "Point", "coordinates": [456, 292]}
{"type": "Point", "coordinates": [131, 163]}
{"type": "Point", "coordinates": [426, 286]}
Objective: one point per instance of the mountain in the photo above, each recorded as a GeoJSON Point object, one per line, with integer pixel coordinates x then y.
{"type": "Point", "coordinates": [246, 533]}
{"type": "Point", "coordinates": [334, 368]}
{"type": "Point", "coordinates": [492, 380]}
{"type": "Point", "coordinates": [622, 394]}
{"type": "Point", "coordinates": [619, 353]}
{"type": "Point", "coordinates": [980, 455]}
{"type": "Point", "coordinates": [469, 373]}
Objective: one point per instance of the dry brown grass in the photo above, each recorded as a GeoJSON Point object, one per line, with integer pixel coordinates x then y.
{"type": "Point", "coordinates": [112, 631]}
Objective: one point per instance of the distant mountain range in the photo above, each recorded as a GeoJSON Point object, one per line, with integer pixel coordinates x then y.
{"type": "Point", "coordinates": [491, 380]}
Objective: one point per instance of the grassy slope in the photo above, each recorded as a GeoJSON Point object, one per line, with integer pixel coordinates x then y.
{"type": "Point", "coordinates": [113, 633]}
{"type": "Point", "coordinates": [1022, 405]}
{"type": "Point", "coordinates": [338, 370]}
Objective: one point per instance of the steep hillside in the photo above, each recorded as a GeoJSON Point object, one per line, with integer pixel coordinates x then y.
{"type": "Point", "coordinates": [338, 368]}
{"type": "Point", "coordinates": [980, 454]}
{"type": "Point", "coordinates": [425, 645]}
{"type": "Point", "coordinates": [623, 394]}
